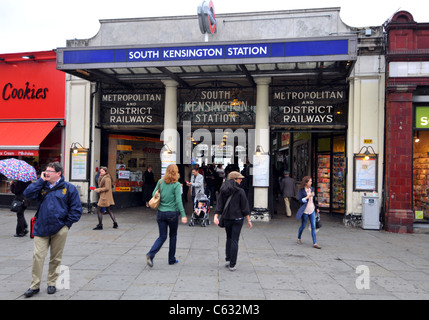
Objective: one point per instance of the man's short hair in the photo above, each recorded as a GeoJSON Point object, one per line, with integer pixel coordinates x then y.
{"type": "Point", "coordinates": [56, 166]}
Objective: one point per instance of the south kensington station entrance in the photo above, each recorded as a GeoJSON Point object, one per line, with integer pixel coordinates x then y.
{"type": "Point", "coordinates": [261, 103]}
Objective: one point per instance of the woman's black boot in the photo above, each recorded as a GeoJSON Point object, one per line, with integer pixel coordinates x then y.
{"type": "Point", "coordinates": [98, 227]}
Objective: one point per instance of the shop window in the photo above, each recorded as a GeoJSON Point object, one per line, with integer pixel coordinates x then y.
{"type": "Point", "coordinates": [421, 175]}
{"type": "Point", "coordinates": [129, 157]}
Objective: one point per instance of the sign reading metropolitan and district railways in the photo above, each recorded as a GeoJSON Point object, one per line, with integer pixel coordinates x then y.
{"type": "Point", "coordinates": [310, 106]}
{"type": "Point", "coordinates": [132, 108]}
{"type": "Point", "coordinates": [332, 47]}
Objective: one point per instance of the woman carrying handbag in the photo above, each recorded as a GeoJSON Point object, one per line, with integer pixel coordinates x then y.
{"type": "Point", "coordinates": [233, 209]}
{"type": "Point", "coordinates": [170, 206]}
{"type": "Point", "coordinates": [106, 198]}
{"type": "Point", "coordinates": [307, 210]}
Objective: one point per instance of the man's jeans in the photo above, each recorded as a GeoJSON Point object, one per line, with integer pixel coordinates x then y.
{"type": "Point", "coordinates": [166, 219]}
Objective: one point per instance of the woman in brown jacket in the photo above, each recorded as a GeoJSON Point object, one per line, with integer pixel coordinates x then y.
{"type": "Point", "coordinates": [106, 198]}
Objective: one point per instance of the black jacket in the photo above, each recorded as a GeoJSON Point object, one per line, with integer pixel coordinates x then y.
{"type": "Point", "coordinates": [238, 207]}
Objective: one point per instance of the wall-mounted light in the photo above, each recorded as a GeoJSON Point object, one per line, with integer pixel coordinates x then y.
{"type": "Point", "coordinates": [367, 153]}
{"type": "Point", "coordinates": [76, 146]}
{"type": "Point", "coordinates": [167, 149]}
{"type": "Point", "coordinates": [28, 57]}
{"type": "Point", "coordinates": [259, 150]}
{"type": "Point", "coordinates": [416, 137]}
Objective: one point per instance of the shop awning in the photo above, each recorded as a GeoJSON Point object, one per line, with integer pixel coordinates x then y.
{"type": "Point", "coordinates": [23, 138]}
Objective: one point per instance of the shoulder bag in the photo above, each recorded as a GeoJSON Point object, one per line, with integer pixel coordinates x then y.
{"type": "Point", "coordinates": [221, 219]}
{"type": "Point", "coordinates": [156, 199]}
{"type": "Point", "coordinates": [16, 205]}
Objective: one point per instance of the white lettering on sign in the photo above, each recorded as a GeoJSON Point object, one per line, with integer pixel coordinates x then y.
{"type": "Point", "coordinates": [308, 107]}
{"type": "Point", "coordinates": [248, 51]}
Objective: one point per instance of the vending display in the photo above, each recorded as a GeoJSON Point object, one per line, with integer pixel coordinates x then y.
{"type": "Point", "coordinates": [338, 182]}
{"type": "Point", "coordinates": [323, 180]}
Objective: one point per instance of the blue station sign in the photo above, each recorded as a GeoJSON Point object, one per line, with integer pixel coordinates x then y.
{"type": "Point", "coordinates": [345, 48]}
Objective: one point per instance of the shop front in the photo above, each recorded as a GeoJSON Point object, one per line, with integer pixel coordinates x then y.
{"type": "Point", "coordinates": [32, 114]}
{"type": "Point", "coordinates": [407, 164]}
{"type": "Point", "coordinates": [254, 95]}
{"type": "Point", "coordinates": [311, 123]}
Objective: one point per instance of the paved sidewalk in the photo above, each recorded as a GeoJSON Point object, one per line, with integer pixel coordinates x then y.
{"type": "Point", "coordinates": [111, 264]}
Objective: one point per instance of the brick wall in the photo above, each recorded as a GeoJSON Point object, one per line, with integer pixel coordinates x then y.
{"type": "Point", "coordinates": [399, 161]}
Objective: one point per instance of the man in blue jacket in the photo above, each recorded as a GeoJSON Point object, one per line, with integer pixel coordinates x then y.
{"type": "Point", "coordinates": [59, 208]}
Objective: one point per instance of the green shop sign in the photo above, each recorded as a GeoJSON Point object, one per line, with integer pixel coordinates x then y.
{"type": "Point", "coordinates": [422, 117]}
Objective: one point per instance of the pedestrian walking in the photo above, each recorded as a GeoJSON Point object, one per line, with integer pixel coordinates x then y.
{"type": "Point", "coordinates": [170, 207]}
{"type": "Point", "coordinates": [59, 207]}
{"type": "Point", "coordinates": [196, 183]}
{"type": "Point", "coordinates": [149, 185]}
{"type": "Point", "coordinates": [17, 187]}
{"type": "Point", "coordinates": [307, 210]}
{"type": "Point", "coordinates": [233, 213]}
{"type": "Point", "coordinates": [106, 198]}
{"type": "Point", "coordinates": [288, 190]}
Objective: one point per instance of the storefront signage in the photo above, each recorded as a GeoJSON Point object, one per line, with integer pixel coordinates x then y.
{"type": "Point", "coordinates": [217, 107]}
{"type": "Point", "coordinates": [207, 52]}
{"type": "Point", "coordinates": [308, 107]}
{"type": "Point", "coordinates": [27, 91]}
{"type": "Point", "coordinates": [422, 117]}
{"type": "Point", "coordinates": [23, 153]}
{"type": "Point", "coordinates": [124, 108]}
{"type": "Point", "coordinates": [32, 90]}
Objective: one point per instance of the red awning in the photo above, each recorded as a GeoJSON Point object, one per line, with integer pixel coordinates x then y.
{"type": "Point", "coordinates": [23, 138]}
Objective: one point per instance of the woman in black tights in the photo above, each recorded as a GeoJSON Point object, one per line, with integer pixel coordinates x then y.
{"type": "Point", "coordinates": [106, 198]}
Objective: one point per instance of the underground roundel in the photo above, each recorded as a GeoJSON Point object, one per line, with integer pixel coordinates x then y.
{"type": "Point", "coordinates": [207, 17]}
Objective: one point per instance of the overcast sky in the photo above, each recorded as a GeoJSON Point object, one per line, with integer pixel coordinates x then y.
{"type": "Point", "coordinates": [27, 25]}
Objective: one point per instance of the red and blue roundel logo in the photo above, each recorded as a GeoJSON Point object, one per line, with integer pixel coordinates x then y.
{"type": "Point", "coordinates": [207, 17]}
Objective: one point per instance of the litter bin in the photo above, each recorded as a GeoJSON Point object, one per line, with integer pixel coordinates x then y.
{"type": "Point", "coordinates": [370, 213]}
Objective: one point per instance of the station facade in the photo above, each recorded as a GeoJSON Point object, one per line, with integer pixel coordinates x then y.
{"type": "Point", "coordinates": [288, 90]}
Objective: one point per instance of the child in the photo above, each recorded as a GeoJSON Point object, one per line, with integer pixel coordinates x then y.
{"type": "Point", "coordinates": [202, 207]}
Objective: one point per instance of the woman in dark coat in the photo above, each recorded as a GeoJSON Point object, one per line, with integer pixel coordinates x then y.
{"type": "Point", "coordinates": [149, 185]}
{"type": "Point", "coordinates": [234, 215]}
{"type": "Point", "coordinates": [18, 187]}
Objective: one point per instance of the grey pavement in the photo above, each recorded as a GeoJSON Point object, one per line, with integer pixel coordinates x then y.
{"type": "Point", "coordinates": [111, 264]}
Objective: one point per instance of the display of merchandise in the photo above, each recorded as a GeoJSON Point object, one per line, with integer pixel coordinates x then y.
{"type": "Point", "coordinates": [338, 182]}
{"type": "Point", "coordinates": [421, 185]}
{"type": "Point", "coordinates": [323, 180]}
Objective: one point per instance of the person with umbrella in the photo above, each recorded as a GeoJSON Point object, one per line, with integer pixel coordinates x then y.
{"type": "Point", "coordinates": [17, 187]}
{"type": "Point", "coordinates": [21, 173]}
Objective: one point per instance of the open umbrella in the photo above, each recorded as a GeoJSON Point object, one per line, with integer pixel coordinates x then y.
{"type": "Point", "coordinates": [15, 169]}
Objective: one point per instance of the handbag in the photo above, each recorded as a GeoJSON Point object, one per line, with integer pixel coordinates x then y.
{"type": "Point", "coordinates": [32, 223]}
{"type": "Point", "coordinates": [221, 219]}
{"type": "Point", "coordinates": [156, 199]}
{"type": "Point", "coordinates": [16, 205]}
{"type": "Point", "coordinates": [318, 223]}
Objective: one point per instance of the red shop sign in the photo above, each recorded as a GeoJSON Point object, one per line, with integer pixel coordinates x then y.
{"type": "Point", "coordinates": [23, 153]}
{"type": "Point", "coordinates": [31, 89]}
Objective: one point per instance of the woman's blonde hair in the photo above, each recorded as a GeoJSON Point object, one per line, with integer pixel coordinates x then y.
{"type": "Point", "coordinates": [171, 174]}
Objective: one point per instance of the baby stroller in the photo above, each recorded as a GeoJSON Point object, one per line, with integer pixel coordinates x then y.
{"type": "Point", "coordinates": [201, 211]}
